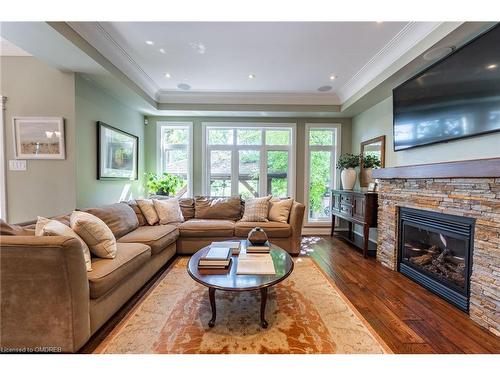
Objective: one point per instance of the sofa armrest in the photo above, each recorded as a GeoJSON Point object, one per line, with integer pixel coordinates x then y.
{"type": "Point", "coordinates": [296, 222]}
{"type": "Point", "coordinates": [44, 294]}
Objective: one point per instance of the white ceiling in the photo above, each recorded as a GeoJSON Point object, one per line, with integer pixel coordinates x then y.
{"type": "Point", "coordinates": [9, 49]}
{"type": "Point", "coordinates": [290, 60]}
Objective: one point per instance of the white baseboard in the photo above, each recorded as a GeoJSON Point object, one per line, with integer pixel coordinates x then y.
{"type": "Point", "coordinates": [315, 231]}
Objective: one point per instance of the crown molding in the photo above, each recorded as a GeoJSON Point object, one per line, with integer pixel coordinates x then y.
{"type": "Point", "coordinates": [95, 34]}
{"type": "Point", "coordinates": [271, 98]}
{"type": "Point", "coordinates": [404, 41]}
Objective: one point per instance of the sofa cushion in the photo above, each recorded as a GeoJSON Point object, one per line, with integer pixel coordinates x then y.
{"type": "Point", "coordinates": [158, 237]}
{"type": "Point", "coordinates": [140, 217]}
{"type": "Point", "coordinates": [107, 273]}
{"type": "Point", "coordinates": [207, 228]}
{"type": "Point", "coordinates": [228, 208]}
{"type": "Point", "coordinates": [119, 217]}
{"type": "Point", "coordinates": [7, 229]}
{"type": "Point", "coordinates": [272, 228]}
{"type": "Point", "coordinates": [187, 207]}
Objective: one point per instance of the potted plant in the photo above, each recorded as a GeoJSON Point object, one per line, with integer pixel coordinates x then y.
{"type": "Point", "coordinates": [347, 163]}
{"type": "Point", "coordinates": [369, 162]}
{"type": "Point", "coordinates": [163, 184]}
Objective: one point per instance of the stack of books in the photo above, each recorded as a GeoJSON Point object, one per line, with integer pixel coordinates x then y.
{"type": "Point", "coordinates": [264, 248]}
{"type": "Point", "coordinates": [216, 258]}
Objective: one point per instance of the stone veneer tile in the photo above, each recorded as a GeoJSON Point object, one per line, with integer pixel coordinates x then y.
{"type": "Point", "coordinates": [473, 197]}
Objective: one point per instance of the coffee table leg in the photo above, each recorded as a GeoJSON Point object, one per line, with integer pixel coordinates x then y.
{"type": "Point", "coordinates": [263, 300]}
{"type": "Point", "coordinates": [211, 295]}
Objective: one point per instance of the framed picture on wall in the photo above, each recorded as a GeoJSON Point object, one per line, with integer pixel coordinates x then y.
{"type": "Point", "coordinates": [39, 138]}
{"type": "Point", "coordinates": [117, 153]}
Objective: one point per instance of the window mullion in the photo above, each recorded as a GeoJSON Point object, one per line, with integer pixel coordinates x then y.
{"type": "Point", "coordinates": [235, 159]}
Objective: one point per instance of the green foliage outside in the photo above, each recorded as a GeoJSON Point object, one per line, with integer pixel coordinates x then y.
{"type": "Point", "coordinates": [277, 163]}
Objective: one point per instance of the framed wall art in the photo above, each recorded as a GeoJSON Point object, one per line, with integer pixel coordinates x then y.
{"type": "Point", "coordinates": [39, 138]}
{"type": "Point", "coordinates": [117, 153]}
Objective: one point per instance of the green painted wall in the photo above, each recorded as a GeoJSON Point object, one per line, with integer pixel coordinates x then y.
{"type": "Point", "coordinates": [151, 132]}
{"type": "Point", "coordinates": [377, 121]}
{"type": "Point", "coordinates": [94, 104]}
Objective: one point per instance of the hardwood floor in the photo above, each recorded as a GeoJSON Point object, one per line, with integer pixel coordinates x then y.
{"type": "Point", "coordinates": [406, 316]}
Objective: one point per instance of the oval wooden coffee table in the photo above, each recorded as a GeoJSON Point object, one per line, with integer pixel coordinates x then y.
{"type": "Point", "coordinates": [230, 281]}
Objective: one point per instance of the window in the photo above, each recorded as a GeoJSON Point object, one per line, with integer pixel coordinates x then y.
{"type": "Point", "coordinates": [249, 159]}
{"type": "Point", "coordinates": [322, 148]}
{"type": "Point", "coordinates": [175, 151]}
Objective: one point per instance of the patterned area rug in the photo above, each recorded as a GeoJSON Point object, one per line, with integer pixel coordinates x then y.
{"type": "Point", "coordinates": [306, 314]}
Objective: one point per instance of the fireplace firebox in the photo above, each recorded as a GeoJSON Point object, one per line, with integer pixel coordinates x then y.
{"type": "Point", "coordinates": [435, 250]}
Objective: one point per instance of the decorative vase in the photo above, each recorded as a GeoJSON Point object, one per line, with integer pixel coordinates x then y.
{"type": "Point", "coordinates": [367, 175]}
{"type": "Point", "coordinates": [161, 192]}
{"type": "Point", "coordinates": [257, 236]}
{"type": "Point", "coordinates": [348, 177]}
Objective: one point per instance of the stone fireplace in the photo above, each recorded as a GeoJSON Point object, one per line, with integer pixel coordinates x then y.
{"type": "Point", "coordinates": [470, 190]}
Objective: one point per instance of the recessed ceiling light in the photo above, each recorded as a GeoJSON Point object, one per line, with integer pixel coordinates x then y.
{"type": "Point", "coordinates": [251, 76]}
{"type": "Point", "coordinates": [438, 53]}
{"type": "Point", "coordinates": [149, 42]}
{"type": "Point", "coordinates": [167, 75]}
{"type": "Point", "coordinates": [163, 51]}
{"type": "Point", "coordinates": [324, 88]}
{"type": "Point", "coordinates": [198, 47]}
{"type": "Point", "coordinates": [333, 77]}
{"type": "Point", "coordinates": [492, 66]}
{"type": "Point", "coordinates": [183, 86]}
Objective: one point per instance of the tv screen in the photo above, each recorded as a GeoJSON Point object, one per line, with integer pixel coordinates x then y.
{"type": "Point", "coordinates": [456, 97]}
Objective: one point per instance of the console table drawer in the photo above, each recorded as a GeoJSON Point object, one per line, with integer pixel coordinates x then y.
{"type": "Point", "coordinates": [346, 209]}
{"type": "Point", "coordinates": [346, 198]}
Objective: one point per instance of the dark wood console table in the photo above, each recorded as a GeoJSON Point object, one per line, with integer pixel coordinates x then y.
{"type": "Point", "coordinates": [358, 207]}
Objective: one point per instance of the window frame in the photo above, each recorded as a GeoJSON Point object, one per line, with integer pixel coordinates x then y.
{"type": "Point", "coordinates": [336, 151]}
{"type": "Point", "coordinates": [160, 125]}
{"type": "Point", "coordinates": [263, 148]}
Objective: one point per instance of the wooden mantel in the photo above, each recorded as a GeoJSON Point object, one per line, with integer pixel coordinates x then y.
{"type": "Point", "coordinates": [481, 168]}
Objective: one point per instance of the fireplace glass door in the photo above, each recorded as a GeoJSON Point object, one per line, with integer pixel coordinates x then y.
{"type": "Point", "coordinates": [435, 250]}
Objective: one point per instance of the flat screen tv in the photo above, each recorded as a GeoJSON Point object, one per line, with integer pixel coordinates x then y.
{"type": "Point", "coordinates": [456, 97]}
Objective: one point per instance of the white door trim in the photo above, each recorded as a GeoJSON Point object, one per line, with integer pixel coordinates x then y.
{"type": "Point", "coordinates": [3, 180]}
{"type": "Point", "coordinates": [307, 149]}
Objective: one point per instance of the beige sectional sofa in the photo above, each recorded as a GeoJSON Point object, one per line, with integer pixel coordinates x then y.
{"type": "Point", "coordinates": [49, 300]}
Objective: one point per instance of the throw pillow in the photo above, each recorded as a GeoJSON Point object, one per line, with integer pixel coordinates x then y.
{"type": "Point", "coordinates": [56, 228]}
{"type": "Point", "coordinates": [256, 209]}
{"type": "Point", "coordinates": [95, 233]}
{"type": "Point", "coordinates": [168, 210]}
{"type": "Point", "coordinates": [148, 210]}
{"type": "Point", "coordinates": [40, 223]}
{"type": "Point", "coordinates": [279, 209]}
